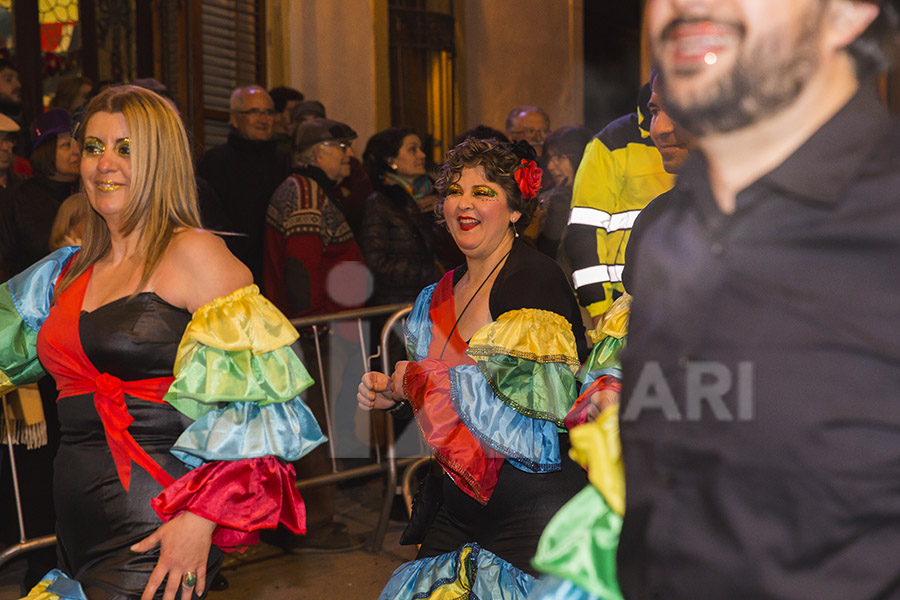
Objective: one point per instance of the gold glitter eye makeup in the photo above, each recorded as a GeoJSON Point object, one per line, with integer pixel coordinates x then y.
{"type": "Point", "coordinates": [123, 147]}
{"type": "Point", "coordinates": [485, 191]}
{"type": "Point", "coordinates": [454, 189]}
{"type": "Point", "coordinates": [93, 147]}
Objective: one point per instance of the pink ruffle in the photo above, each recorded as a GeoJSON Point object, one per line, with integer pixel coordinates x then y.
{"type": "Point", "coordinates": [242, 497]}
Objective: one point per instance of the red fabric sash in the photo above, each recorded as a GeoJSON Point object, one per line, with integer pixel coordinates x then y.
{"type": "Point", "coordinates": [473, 467]}
{"type": "Point", "coordinates": [60, 350]}
{"type": "Point", "coordinates": [443, 319]}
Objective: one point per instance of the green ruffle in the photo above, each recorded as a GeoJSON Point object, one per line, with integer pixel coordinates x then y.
{"type": "Point", "coordinates": [529, 358]}
{"type": "Point", "coordinates": [18, 346]}
{"type": "Point", "coordinates": [604, 356]}
{"type": "Point", "coordinates": [539, 390]}
{"type": "Point", "coordinates": [212, 376]}
{"type": "Point", "coordinates": [580, 542]}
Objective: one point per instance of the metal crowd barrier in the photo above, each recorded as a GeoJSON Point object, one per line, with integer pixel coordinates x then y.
{"type": "Point", "coordinates": [387, 464]}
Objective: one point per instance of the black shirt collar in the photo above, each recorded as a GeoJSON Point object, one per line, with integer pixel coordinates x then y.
{"type": "Point", "coordinates": [821, 168]}
{"type": "Point", "coordinates": [828, 161]}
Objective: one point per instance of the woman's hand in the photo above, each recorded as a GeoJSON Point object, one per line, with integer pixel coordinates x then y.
{"type": "Point", "coordinates": [600, 401]}
{"type": "Point", "coordinates": [375, 392]}
{"type": "Point", "coordinates": [184, 548]}
{"type": "Point", "coordinates": [397, 378]}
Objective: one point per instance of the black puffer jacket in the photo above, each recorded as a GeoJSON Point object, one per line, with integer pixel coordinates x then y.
{"type": "Point", "coordinates": [396, 246]}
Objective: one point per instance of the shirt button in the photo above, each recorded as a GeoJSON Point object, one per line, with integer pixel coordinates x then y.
{"type": "Point", "coordinates": [717, 249]}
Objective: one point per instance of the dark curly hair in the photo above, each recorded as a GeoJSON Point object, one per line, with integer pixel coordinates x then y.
{"type": "Point", "coordinates": [500, 160]}
{"type": "Point", "coordinates": [382, 147]}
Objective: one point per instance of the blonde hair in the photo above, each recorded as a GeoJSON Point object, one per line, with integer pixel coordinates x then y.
{"type": "Point", "coordinates": [68, 226]}
{"type": "Point", "coordinates": [162, 196]}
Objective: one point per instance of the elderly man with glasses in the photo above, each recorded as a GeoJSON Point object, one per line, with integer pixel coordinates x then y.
{"type": "Point", "coordinates": [244, 172]}
{"type": "Point", "coordinates": [529, 123]}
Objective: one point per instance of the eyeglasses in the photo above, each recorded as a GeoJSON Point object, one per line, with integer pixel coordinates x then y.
{"type": "Point", "coordinates": [531, 132]}
{"type": "Point", "coordinates": [342, 146]}
{"type": "Point", "coordinates": [257, 112]}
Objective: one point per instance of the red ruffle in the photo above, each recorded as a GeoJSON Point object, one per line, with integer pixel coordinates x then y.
{"type": "Point", "coordinates": [242, 497]}
{"type": "Point", "coordinates": [578, 413]}
{"type": "Point", "coordinates": [473, 467]}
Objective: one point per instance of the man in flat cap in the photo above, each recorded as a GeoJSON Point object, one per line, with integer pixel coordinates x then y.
{"type": "Point", "coordinates": [307, 236]}
{"type": "Point", "coordinates": [9, 130]}
{"type": "Point", "coordinates": [313, 266]}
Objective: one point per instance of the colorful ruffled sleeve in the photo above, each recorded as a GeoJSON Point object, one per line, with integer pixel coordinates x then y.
{"type": "Point", "coordinates": [577, 551]}
{"type": "Point", "coordinates": [238, 378]}
{"type": "Point", "coordinates": [602, 370]}
{"type": "Point", "coordinates": [24, 305]}
{"type": "Point", "coordinates": [505, 404]}
{"type": "Point", "coordinates": [578, 548]}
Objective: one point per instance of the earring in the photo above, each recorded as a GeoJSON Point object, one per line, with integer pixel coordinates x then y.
{"type": "Point", "coordinates": [393, 166]}
{"type": "Point", "coordinates": [515, 231]}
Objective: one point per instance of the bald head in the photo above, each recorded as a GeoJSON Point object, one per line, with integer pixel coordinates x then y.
{"type": "Point", "coordinates": [252, 112]}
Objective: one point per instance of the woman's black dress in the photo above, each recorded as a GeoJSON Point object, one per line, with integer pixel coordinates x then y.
{"type": "Point", "coordinates": [98, 520]}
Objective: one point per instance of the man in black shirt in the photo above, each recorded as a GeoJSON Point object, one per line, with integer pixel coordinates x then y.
{"type": "Point", "coordinates": [760, 423]}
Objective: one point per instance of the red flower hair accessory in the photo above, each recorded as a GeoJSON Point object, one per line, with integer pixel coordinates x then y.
{"type": "Point", "coordinates": [528, 178]}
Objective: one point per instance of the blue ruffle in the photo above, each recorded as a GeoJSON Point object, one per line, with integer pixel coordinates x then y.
{"type": "Point", "coordinates": [529, 444]}
{"type": "Point", "coordinates": [63, 586]}
{"type": "Point", "coordinates": [32, 289]}
{"type": "Point", "coordinates": [246, 430]}
{"type": "Point", "coordinates": [418, 325]}
{"type": "Point", "coordinates": [550, 587]}
{"type": "Point", "coordinates": [595, 375]}
{"type": "Point", "coordinates": [490, 577]}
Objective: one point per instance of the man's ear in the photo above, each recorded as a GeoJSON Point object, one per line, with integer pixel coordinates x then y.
{"type": "Point", "coordinates": [848, 19]}
{"type": "Point", "coordinates": [232, 119]}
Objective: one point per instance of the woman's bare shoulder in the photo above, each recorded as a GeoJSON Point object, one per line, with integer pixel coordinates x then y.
{"type": "Point", "coordinates": [200, 266]}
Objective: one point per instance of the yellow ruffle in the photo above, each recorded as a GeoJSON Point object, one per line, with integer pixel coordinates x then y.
{"type": "Point", "coordinates": [529, 333]}
{"type": "Point", "coordinates": [242, 320]}
{"type": "Point", "coordinates": [39, 592]}
{"type": "Point", "coordinates": [597, 447]}
{"type": "Point", "coordinates": [615, 320]}
{"type": "Point", "coordinates": [5, 383]}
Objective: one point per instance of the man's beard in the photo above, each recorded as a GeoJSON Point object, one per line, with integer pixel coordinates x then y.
{"type": "Point", "coordinates": [10, 107]}
{"type": "Point", "coordinates": [763, 81]}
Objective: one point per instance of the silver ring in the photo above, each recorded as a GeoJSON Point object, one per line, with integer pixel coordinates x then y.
{"type": "Point", "coordinates": [189, 579]}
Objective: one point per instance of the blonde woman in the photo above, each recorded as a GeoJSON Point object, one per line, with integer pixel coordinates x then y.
{"type": "Point", "coordinates": [155, 475]}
